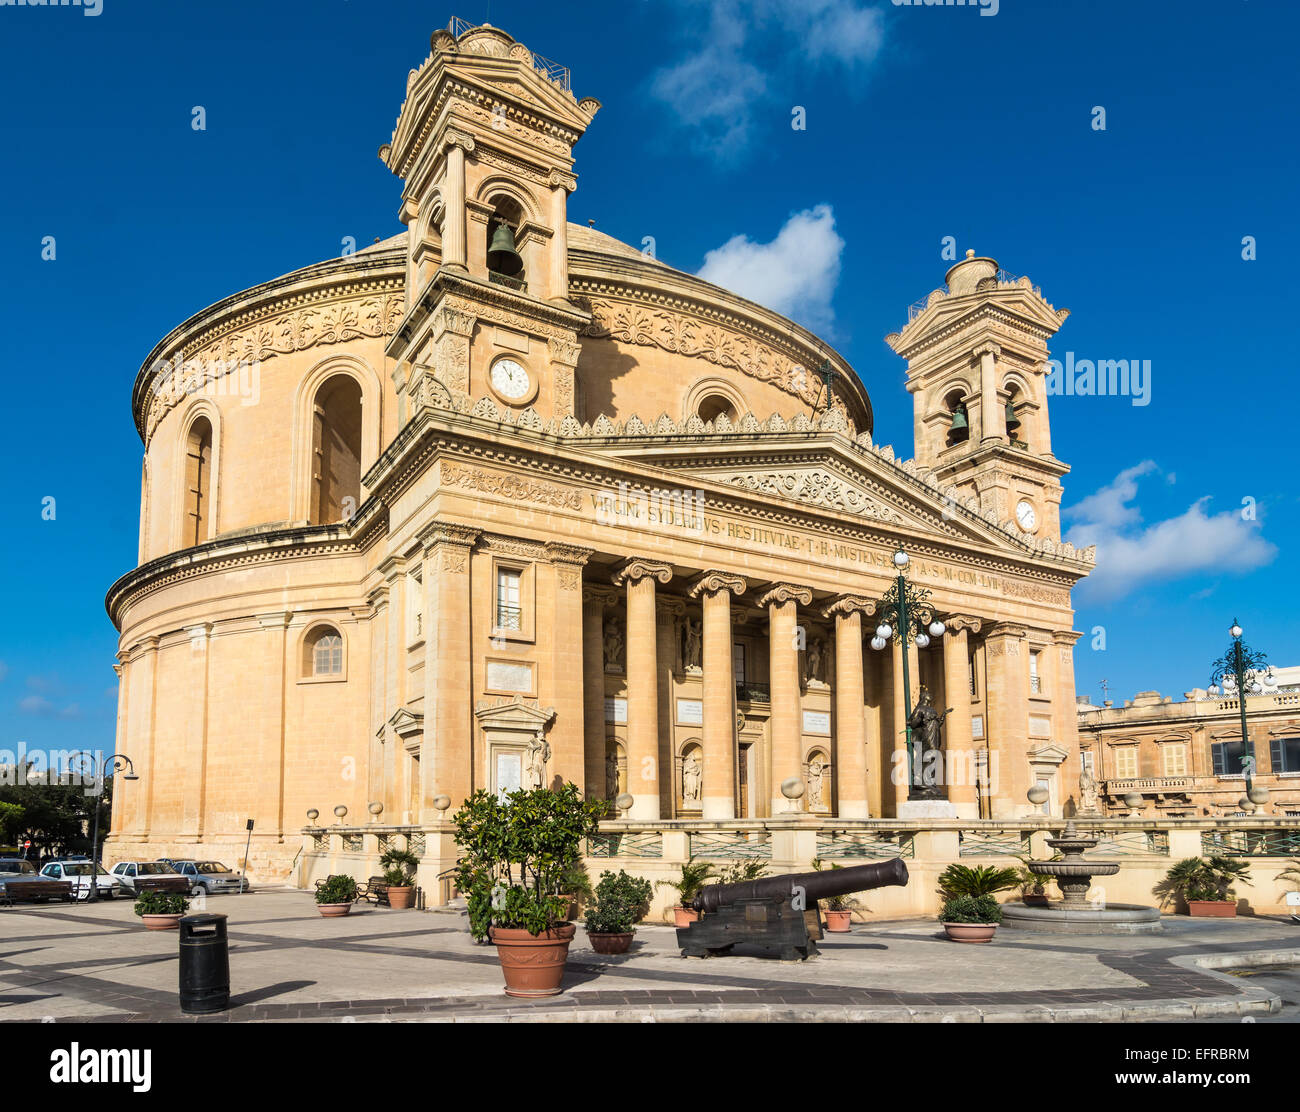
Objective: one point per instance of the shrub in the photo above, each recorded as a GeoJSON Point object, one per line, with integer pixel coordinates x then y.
{"type": "Point", "coordinates": [741, 871]}
{"type": "Point", "coordinates": [1204, 878]}
{"type": "Point", "coordinates": [971, 909]}
{"type": "Point", "coordinates": [845, 902]}
{"type": "Point", "coordinates": [337, 889]}
{"type": "Point", "coordinates": [161, 903]}
{"type": "Point", "coordinates": [621, 902]}
{"type": "Point", "coordinates": [981, 880]}
{"type": "Point", "coordinates": [688, 885]}
{"type": "Point", "coordinates": [399, 867]}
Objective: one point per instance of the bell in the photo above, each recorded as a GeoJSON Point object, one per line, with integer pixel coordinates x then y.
{"type": "Point", "coordinates": [1013, 422]}
{"type": "Point", "coordinates": [960, 426]}
{"type": "Point", "coordinates": [502, 256]}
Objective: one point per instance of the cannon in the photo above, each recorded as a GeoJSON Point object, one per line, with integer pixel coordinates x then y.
{"type": "Point", "coordinates": [777, 913]}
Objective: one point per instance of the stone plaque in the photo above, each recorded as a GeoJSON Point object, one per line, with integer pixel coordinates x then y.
{"type": "Point", "coordinates": [817, 722]}
{"type": "Point", "coordinates": [502, 675]}
{"type": "Point", "coordinates": [616, 710]}
{"type": "Point", "coordinates": [510, 769]}
{"type": "Point", "coordinates": [1040, 726]}
{"type": "Point", "coordinates": [690, 712]}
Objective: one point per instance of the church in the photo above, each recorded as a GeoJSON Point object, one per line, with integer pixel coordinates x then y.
{"type": "Point", "coordinates": [502, 501]}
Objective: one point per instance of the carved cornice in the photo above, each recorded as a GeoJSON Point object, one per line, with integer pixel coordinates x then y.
{"type": "Point", "coordinates": [448, 534]}
{"type": "Point", "coordinates": [560, 553]}
{"type": "Point", "coordinates": [780, 593]}
{"type": "Point", "coordinates": [637, 569]}
{"type": "Point", "coordinates": [498, 544]}
{"type": "Point", "coordinates": [850, 604]}
{"type": "Point", "coordinates": [712, 582]}
{"type": "Point", "coordinates": [1007, 630]}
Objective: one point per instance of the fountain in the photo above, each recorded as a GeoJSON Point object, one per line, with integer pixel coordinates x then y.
{"type": "Point", "coordinates": [1074, 914]}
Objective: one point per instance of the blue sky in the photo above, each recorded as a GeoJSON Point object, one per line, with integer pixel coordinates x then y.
{"type": "Point", "coordinates": [921, 123]}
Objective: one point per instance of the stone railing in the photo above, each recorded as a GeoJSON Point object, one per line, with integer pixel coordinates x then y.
{"type": "Point", "coordinates": [1149, 784]}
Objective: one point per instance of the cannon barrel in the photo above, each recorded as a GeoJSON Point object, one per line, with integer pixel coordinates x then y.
{"type": "Point", "coordinates": [816, 886]}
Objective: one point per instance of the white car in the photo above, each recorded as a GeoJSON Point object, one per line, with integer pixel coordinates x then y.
{"type": "Point", "coordinates": [79, 873]}
{"type": "Point", "coordinates": [210, 877]}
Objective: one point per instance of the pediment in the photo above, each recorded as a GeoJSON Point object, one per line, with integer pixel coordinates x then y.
{"type": "Point", "coordinates": [1048, 754]}
{"type": "Point", "coordinates": [406, 722]}
{"type": "Point", "coordinates": [515, 713]}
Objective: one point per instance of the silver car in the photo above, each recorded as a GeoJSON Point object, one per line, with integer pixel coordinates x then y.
{"type": "Point", "coordinates": [210, 877]}
{"type": "Point", "coordinates": [139, 875]}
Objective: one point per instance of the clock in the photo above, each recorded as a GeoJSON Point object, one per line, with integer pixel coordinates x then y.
{"type": "Point", "coordinates": [1026, 516]}
{"type": "Point", "coordinates": [511, 382]}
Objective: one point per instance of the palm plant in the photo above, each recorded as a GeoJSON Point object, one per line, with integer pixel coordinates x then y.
{"type": "Point", "coordinates": [1203, 878]}
{"type": "Point", "coordinates": [740, 871]}
{"type": "Point", "coordinates": [977, 880]}
{"type": "Point", "coordinates": [688, 885]}
{"type": "Point", "coordinates": [399, 867]}
{"type": "Point", "coordinates": [1291, 874]}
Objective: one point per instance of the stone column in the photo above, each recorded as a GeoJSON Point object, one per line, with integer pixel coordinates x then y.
{"type": "Point", "coordinates": [960, 745]}
{"type": "Point", "coordinates": [562, 184]}
{"type": "Point", "coordinates": [850, 709]}
{"type": "Point", "coordinates": [594, 602]}
{"type": "Point", "coordinates": [273, 681]}
{"type": "Point", "coordinates": [640, 576]}
{"type": "Point", "coordinates": [714, 589]}
{"type": "Point", "coordinates": [195, 759]}
{"type": "Point", "coordinates": [136, 800]}
{"type": "Point", "coordinates": [446, 757]}
{"type": "Point", "coordinates": [786, 725]}
{"type": "Point", "coordinates": [993, 423]}
{"type": "Point", "coordinates": [453, 202]}
{"type": "Point", "coordinates": [900, 769]}
{"type": "Point", "coordinates": [568, 732]}
{"type": "Point", "coordinates": [563, 355]}
{"type": "Point", "coordinates": [668, 611]}
{"type": "Point", "coordinates": [1007, 718]}
{"type": "Point", "coordinates": [452, 330]}
{"type": "Point", "coordinates": [1065, 718]}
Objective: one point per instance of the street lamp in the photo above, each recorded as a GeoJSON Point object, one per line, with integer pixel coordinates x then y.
{"type": "Point", "coordinates": [116, 763]}
{"type": "Point", "coordinates": [1248, 666]}
{"type": "Point", "coordinates": [903, 611]}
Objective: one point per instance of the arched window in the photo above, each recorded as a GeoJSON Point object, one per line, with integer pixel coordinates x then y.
{"type": "Point", "coordinates": [336, 451]}
{"type": "Point", "coordinates": [1017, 433]}
{"type": "Point", "coordinates": [714, 406]}
{"type": "Point", "coordinates": [505, 264]}
{"type": "Point", "coordinates": [323, 653]}
{"type": "Point", "coordinates": [196, 526]}
{"type": "Point", "coordinates": [958, 419]}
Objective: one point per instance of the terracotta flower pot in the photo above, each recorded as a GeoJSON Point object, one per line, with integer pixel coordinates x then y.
{"type": "Point", "coordinates": [162, 922]}
{"type": "Point", "coordinates": [533, 964]}
{"type": "Point", "coordinates": [970, 932]}
{"type": "Point", "coordinates": [606, 943]}
{"type": "Point", "coordinates": [684, 916]}
{"type": "Point", "coordinates": [1036, 899]}
{"type": "Point", "coordinates": [401, 898]}
{"type": "Point", "coordinates": [1212, 909]}
{"type": "Point", "coordinates": [838, 922]}
{"type": "Point", "coordinates": [333, 911]}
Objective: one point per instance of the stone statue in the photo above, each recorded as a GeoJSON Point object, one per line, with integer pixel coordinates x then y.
{"type": "Point", "coordinates": [692, 775]}
{"type": "Point", "coordinates": [611, 776]}
{"type": "Point", "coordinates": [1087, 793]}
{"type": "Point", "coordinates": [816, 778]}
{"type": "Point", "coordinates": [613, 647]}
{"type": "Point", "coordinates": [927, 723]}
{"type": "Point", "coordinates": [539, 752]}
{"type": "Point", "coordinates": [816, 661]}
{"type": "Point", "coordinates": [693, 638]}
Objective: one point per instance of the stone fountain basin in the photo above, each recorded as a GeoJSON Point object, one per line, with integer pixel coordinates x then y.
{"type": "Point", "coordinates": [1115, 918]}
{"type": "Point", "coordinates": [1074, 868]}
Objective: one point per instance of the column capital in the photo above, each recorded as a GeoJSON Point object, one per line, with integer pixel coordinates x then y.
{"type": "Point", "coordinates": [559, 553]}
{"type": "Point", "coordinates": [1007, 629]}
{"type": "Point", "coordinates": [454, 138]}
{"type": "Point", "coordinates": [670, 606]}
{"type": "Point", "coordinates": [963, 623]}
{"type": "Point", "coordinates": [637, 569]}
{"type": "Point", "coordinates": [561, 349]}
{"type": "Point", "coordinates": [448, 533]}
{"type": "Point", "coordinates": [849, 604]}
{"type": "Point", "coordinates": [786, 592]}
{"type": "Point", "coordinates": [562, 179]}
{"type": "Point", "coordinates": [987, 349]}
{"type": "Point", "coordinates": [606, 596]}
{"type": "Point", "coordinates": [277, 620]}
{"type": "Point", "coordinates": [713, 582]}
{"type": "Point", "coordinates": [1066, 637]}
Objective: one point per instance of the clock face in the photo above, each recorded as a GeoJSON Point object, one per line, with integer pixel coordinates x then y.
{"type": "Point", "coordinates": [1026, 516]}
{"type": "Point", "coordinates": [510, 380]}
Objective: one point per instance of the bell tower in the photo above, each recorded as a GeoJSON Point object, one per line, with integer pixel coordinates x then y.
{"type": "Point", "coordinates": [484, 147]}
{"type": "Point", "coordinates": [976, 354]}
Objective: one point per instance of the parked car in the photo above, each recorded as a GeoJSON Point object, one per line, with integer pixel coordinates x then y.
{"type": "Point", "coordinates": [16, 866]}
{"type": "Point", "coordinates": [211, 877]}
{"type": "Point", "coordinates": [79, 873]}
{"type": "Point", "coordinates": [151, 876]}
{"type": "Point", "coordinates": [19, 881]}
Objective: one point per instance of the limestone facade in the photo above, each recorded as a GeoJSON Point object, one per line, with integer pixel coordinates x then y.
{"type": "Point", "coordinates": [431, 517]}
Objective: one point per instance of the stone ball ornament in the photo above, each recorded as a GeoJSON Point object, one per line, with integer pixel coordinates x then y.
{"type": "Point", "coordinates": [1133, 800]}
{"type": "Point", "coordinates": [312, 816]}
{"type": "Point", "coordinates": [1258, 795]}
{"type": "Point", "coordinates": [624, 801]}
{"type": "Point", "coordinates": [376, 808]}
{"type": "Point", "coordinates": [793, 788]}
{"type": "Point", "coordinates": [340, 812]}
{"type": "Point", "coordinates": [1037, 795]}
{"type": "Point", "coordinates": [441, 802]}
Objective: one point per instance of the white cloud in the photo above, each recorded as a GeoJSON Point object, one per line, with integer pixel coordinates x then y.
{"type": "Point", "coordinates": [795, 274]}
{"type": "Point", "coordinates": [722, 81]}
{"type": "Point", "coordinates": [1131, 553]}
{"type": "Point", "coordinates": [35, 704]}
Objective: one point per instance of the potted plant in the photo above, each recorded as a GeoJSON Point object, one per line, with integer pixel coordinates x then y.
{"type": "Point", "coordinates": [1291, 876]}
{"type": "Point", "coordinates": [335, 895]}
{"type": "Point", "coordinates": [970, 918]}
{"type": "Point", "coordinates": [620, 903]}
{"type": "Point", "coordinates": [1206, 884]}
{"type": "Point", "coordinates": [515, 852]}
{"type": "Point", "coordinates": [688, 885]}
{"type": "Point", "coordinates": [399, 867]}
{"type": "Point", "coordinates": [576, 885]}
{"type": "Point", "coordinates": [837, 909]}
{"type": "Point", "coordinates": [161, 911]}
{"type": "Point", "coordinates": [970, 913]}
{"type": "Point", "coordinates": [1033, 886]}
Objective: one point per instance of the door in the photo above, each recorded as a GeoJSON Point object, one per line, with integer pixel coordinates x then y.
{"type": "Point", "coordinates": [742, 784]}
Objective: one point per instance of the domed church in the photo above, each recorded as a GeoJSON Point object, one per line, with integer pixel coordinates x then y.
{"type": "Point", "coordinates": [502, 502]}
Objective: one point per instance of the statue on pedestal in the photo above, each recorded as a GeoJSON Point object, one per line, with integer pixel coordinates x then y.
{"type": "Point", "coordinates": [539, 752]}
{"type": "Point", "coordinates": [692, 777]}
{"type": "Point", "coordinates": [1087, 793]}
{"type": "Point", "coordinates": [927, 724]}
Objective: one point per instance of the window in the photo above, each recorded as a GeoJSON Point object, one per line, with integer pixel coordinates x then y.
{"type": "Point", "coordinates": [415, 607]}
{"type": "Point", "coordinates": [1085, 760]}
{"type": "Point", "coordinates": [1227, 757]}
{"type": "Point", "coordinates": [323, 654]}
{"type": "Point", "coordinates": [1035, 681]}
{"type": "Point", "coordinates": [1285, 754]}
{"type": "Point", "coordinates": [1126, 762]}
{"type": "Point", "coordinates": [198, 481]}
{"type": "Point", "coordinates": [974, 693]}
{"type": "Point", "coordinates": [738, 662]}
{"type": "Point", "coordinates": [509, 611]}
{"type": "Point", "coordinates": [1175, 760]}
{"type": "Point", "coordinates": [336, 451]}
{"type": "Point", "coordinates": [714, 406]}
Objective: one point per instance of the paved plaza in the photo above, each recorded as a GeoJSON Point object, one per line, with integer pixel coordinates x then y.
{"type": "Point", "coordinates": [64, 962]}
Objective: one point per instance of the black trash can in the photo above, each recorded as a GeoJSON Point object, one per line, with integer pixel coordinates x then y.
{"type": "Point", "coordinates": [205, 964]}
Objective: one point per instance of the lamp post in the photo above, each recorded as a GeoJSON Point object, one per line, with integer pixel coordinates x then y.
{"type": "Point", "coordinates": [903, 611]}
{"type": "Point", "coordinates": [116, 763]}
{"type": "Point", "coordinates": [1248, 666]}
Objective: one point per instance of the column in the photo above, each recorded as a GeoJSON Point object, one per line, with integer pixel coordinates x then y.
{"type": "Point", "coordinates": [594, 602]}
{"type": "Point", "coordinates": [1065, 717]}
{"type": "Point", "coordinates": [668, 613]}
{"type": "Point", "coordinates": [142, 673]}
{"type": "Point", "coordinates": [562, 184]}
{"type": "Point", "coordinates": [956, 689]}
{"type": "Point", "coordinates": [993, 423]}
{"type": "Point", "coordinates": [640, 576]}
{"type": "Point", "coordinates": [786, 725]}
{"type": "Point", "coordinates": [446, 758]}
{"type": "Point", "coordinates": [1007, 719]}
{"type": "Point", "coordinates": [195, 755]}
{"type": "Point", "coordinates": [568, 732]}
{"type": "Point", "coordinates": [714, 590]}
{"type": "Point", "coordinates": [901, 771]}
{"type": "Point", "coordinates": [453, 202]}
{"type": "Point", "coordinates": [273, 678]}
{"type": "Point", "coordinates": [850, 710]}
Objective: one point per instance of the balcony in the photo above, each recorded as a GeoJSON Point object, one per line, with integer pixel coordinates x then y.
{"type": "Point", "coordinates": [1149, 785]}
{"type": "Point", "coordinates": [509, 617]}
{"type": "Point", "coordinates": [749, 692]}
